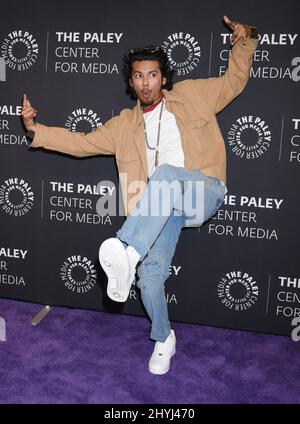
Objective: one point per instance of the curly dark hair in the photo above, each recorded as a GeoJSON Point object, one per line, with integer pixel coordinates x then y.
{"type": "Point", "coordinates": [146, 53]}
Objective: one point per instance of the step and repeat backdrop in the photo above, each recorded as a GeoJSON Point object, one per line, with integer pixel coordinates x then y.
{"type": "Point", "coordinates": [241, 269]}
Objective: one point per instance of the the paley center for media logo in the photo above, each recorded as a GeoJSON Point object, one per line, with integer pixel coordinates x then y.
{"type": "Point", "coordinates": [16, 196]}
{"type": "Point", "coordinates": [78, 274]}
{"type": "Point", "coordinates": [238, 290]}
{"type": "Point", "coordinates": [19, 50]}
{"type": "Point", "coordinates": [249, 137]}
{"type": "Point", "coordinates": [83, 119]}
{"type": "Point", "coordinates": [183, 51]}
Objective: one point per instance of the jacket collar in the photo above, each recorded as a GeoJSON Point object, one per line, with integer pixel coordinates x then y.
{"type": "Point", "coordinates": [170, 96]}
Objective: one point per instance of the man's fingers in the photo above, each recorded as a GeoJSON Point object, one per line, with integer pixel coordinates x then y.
{"type": "Point", "coordinates": [234, 39]}
{"type": "Point", "coordinates": [29, 113]}
{"type": "Point", "coordinates": [236, 36]}
{"type": "Point", "coordinates": [26, 102]}
{"type": "Point", "coordinates": [226, 19]}
{"type": "Point", "coordinates": [229, 22]}
{"type": "Point", "coordinates": [239, 30]}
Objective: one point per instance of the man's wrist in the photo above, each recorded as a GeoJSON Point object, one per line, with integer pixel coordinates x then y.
{"type": "Point", "coordinates": [31, 131]}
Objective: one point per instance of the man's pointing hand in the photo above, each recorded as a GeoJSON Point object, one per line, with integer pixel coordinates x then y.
{"type": "Point", "coordinates": [239, 30]}
{"type": "Point", "coordinates": [28, 114]}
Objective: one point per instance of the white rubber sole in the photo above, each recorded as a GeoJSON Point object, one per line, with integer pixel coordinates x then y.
{"type": "Point", "coordinates": [163, 370]}
{"type": "Point", "coordinates": [114, 261]}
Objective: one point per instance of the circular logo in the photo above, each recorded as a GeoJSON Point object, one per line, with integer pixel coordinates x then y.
{"type": "Point", "coordinates": [16, 197]}
{"type": "Point", "coordinates": [78, 274]}
{"type": "Point", "coordinates": [83, 120]}
{"type": "Point", "coordinates": [238, 291]}
{"type": "Point", "coordinates": [183, 52]}
{"type": "Point", "coordinates": [249, 137]}
{"type": "Point", "coordinates": [19, 50]}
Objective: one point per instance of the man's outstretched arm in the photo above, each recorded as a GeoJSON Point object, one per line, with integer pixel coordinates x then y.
{"type": "Point", "coordinates": [218, 92]}
{"type": "Point", "coordinates": [97, 142]}
{"type": "Point", "coordinates": [222, 90]}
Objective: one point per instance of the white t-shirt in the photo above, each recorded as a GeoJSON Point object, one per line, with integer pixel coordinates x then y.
{"type": "Point", "coordinates": [170, 147]}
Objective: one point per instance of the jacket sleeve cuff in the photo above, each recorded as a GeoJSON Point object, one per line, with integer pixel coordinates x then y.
{"type": "Point", "coordinates": [40, 136]}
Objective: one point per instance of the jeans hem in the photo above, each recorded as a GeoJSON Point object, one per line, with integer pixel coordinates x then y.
{"type": "Point", "coordinates": [159, 339]}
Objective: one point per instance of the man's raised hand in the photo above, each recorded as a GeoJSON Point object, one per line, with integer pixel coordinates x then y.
{"type": "Point", "coordinates": [28, 114]}
{"type": "Point", "coordinates": [239, 30]}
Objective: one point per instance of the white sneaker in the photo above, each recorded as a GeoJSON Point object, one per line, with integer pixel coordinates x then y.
{"type": "Point", "coordinates": [161, 357]}
{"type": "Point", "coordinates": [119, 265]}
{"type": "Point", "coordinates": [134, 258]}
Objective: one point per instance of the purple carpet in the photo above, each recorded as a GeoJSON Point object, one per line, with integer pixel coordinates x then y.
{"type": "Point", "coordinates": [88, 357]}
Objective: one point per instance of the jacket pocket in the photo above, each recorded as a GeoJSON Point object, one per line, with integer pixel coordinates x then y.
{"type": "Point", "coordinates": [199, 133]}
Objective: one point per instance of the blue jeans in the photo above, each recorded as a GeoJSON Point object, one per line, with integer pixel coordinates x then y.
{"type": "Point", "coordinates": [194, 199]}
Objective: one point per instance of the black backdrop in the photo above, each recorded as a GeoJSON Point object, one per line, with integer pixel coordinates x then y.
{"type": "Point", "coordinates": [241, 269]}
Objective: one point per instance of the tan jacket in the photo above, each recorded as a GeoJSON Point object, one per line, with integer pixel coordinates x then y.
{"type": "Point", "coordinates": [194, 103]}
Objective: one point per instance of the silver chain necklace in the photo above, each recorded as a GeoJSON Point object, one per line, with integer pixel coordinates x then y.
{"type": "Point", "coordinates": [158, 135]}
